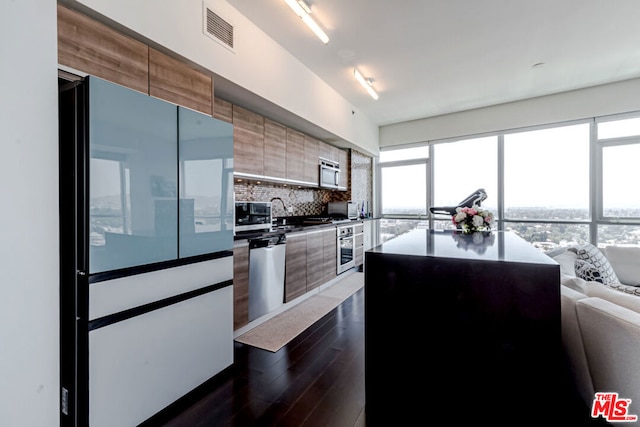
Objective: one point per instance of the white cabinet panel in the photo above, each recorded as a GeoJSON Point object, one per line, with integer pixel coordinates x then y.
{"type": "Point", "coordinates": [112, 296]}
{"type": "Point", "coordinates": [139, 366]}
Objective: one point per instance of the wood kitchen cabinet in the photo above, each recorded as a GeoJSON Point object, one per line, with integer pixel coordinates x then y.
{"type": "Point", "coordinates": [223, 110]}
{"type": "Point", "coordinates": [329, 254]}
{"type": "Point", "coordinates": [180, 84]}
{"type": "Point", "coordinates": [295, 155]}
{"type": "Point", "coordinates": [240, 285]}
{"type": "Point", "coordinates": [315, 264]}
{"type": "Point", "coordinates": [328, 151]}
{"type": "Point", "coordinates": [311, 160]}
{"type": "Point", "coordinates": [275, 149]}
{"type": "Point", "coordinates": [295, 276]}
{"type": "Point", "coordinates": [310, 261]}
{"type": "Point", "coordinates": [92, 47]}
{"type": "Point", "coordinates": [248, 141]}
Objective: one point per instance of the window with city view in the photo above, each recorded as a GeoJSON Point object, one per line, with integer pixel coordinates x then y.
{"type": "Point", "coordinates": [551, 194]}
{"type": "Point", "coordinates": [462, 167]}
{"type": "Point", "coordinates": [404, 182]}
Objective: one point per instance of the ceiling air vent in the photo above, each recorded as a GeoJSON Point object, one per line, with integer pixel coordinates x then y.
{"type": "Point", "coordinates": [218, 28]}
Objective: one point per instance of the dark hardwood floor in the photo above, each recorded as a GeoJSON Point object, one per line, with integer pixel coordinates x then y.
{"type": "Point", "coordinates": [315, 380]}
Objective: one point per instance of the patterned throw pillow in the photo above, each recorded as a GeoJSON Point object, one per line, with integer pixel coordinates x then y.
{"type": "Point", "coordinates": [588, 272]}
{"type": "Point", "coordinates": [593, 256]}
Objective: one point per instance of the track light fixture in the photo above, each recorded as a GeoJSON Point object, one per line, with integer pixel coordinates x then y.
{"type": "Point", "coordinates": [366, 83]}
{"type": "Point", "coordinates": [303, 11]}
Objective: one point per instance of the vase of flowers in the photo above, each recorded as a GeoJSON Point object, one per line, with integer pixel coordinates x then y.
{"type": "Point", "coordinates": [472, 219]}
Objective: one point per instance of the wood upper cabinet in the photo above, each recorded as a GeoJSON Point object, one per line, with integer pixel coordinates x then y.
{"type": "Point", "coordinates": [345, 168]}
{"type": "Point", "coordinates": [315, 273]}
{"type": "Point", "coordinates": [295, 155]}
{"type": "Point", "coordinates": [240, 285]}
{"type": "Point", "coordinates": [329, 253]}
{"type": "Point", "coordinates": [92, 47]}
{"type": "Point", "coordinates": [222, 110]}
{"type": "Point", "coordinates": [178, 83]}
{"type": "Point", "coordinates": [311, 164]}
{"type": "Point", "coordinates": [328, 151]}
{"type": "Point", "coordinates": [275, 149]}
{"type": "Point", "coordinates": [248, 141]}
{"type": "Point", "coordinates": [295, 277]}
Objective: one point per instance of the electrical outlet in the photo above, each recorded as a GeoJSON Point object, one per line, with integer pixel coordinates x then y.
{"type": "Point", "coordinates": [290, 209]}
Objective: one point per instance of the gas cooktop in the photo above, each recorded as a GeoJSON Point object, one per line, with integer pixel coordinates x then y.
{"type": "Point", "coordinates": [325, 220]}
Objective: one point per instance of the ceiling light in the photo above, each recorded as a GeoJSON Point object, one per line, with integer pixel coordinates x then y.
{"type": "Point", "coordinates": [366, 83]}
{"type": "Point", "coordinates": [302, 10]}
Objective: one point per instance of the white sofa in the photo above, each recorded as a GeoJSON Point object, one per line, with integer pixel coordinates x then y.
{"type": "Point", "coordinates": [601, 326]}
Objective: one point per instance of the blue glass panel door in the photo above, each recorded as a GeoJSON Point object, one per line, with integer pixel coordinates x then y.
{"type": "Point", "coordinates": [133, 192]}
{"type": "Point", "coordinates": [206, 184]}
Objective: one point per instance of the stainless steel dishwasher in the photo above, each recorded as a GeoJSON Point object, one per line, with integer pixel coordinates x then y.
{"type": "Point", "coordinates": [266, 274]}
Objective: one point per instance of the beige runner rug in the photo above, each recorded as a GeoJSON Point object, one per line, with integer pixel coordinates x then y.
{"type": "Point", "coordinates": [276, 332]}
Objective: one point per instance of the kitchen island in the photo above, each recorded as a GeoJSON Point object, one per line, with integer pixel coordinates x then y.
{"type": "Point", "coordinates": [460, 329]}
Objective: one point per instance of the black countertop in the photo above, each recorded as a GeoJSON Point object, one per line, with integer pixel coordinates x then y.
{"type": "Point", "coordinates": [294, 226]}
{"type": "Point", "coordinates": [496, 246]}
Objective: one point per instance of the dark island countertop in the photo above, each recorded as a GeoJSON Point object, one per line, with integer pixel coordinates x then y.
{"type": "Point", "coordinates": [495, 246]}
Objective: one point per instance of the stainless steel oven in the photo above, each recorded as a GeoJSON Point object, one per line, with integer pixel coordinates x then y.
{"type": "Point", "coordinates": [346, 246]}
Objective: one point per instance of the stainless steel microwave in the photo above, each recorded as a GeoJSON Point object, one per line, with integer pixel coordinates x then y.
{"type": "Point", "coordinates": [250, 216]}
{"type": "Point", "coordinates": [329, 174]}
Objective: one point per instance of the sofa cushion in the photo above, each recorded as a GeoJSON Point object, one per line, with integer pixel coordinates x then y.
{"type": "Point", "coordinates": [627, 289]}
{"type": "Point", "coordinates": [573, 282]}
{"type": "Point", "coordinates": [566, 260]}
{"type": "Point", "coordinates": [601, 266]}
{"type": "Point", "coordinates": [552, 253]}
{"type": "Point", "coordinates": [626, 263]}
{"type": "Point", "coordinates": [614, 295]}
{"type": "Point", "coordinates": [611, 338]}
{"type": "Point", "coordinates": [573, 345]}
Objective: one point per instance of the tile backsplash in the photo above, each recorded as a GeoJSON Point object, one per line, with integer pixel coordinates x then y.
{"type": "Point", "coordinates": [304, 201]}
{"type": "Point", "coordinates": [311, 201]}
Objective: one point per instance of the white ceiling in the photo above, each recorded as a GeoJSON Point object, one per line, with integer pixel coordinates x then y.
{"type": "Point", "coordinates": [432, 57]}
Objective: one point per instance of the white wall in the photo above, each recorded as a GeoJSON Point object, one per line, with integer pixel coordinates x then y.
{"type": "Point", "coordinates": [258, 64]}
{"type": "Point", "coordinates": [29, 362]}
{"type": "Point", "coordinates": [602, 100]}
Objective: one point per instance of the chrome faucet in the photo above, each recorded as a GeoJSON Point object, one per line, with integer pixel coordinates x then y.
{"type": "Point", "coordinates": [281, 201]}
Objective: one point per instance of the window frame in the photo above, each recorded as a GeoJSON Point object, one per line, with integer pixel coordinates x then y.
{"type": "Point", "coordinates": [596, 216]}
{"type": "Point", "coordinates": [399, 163]}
